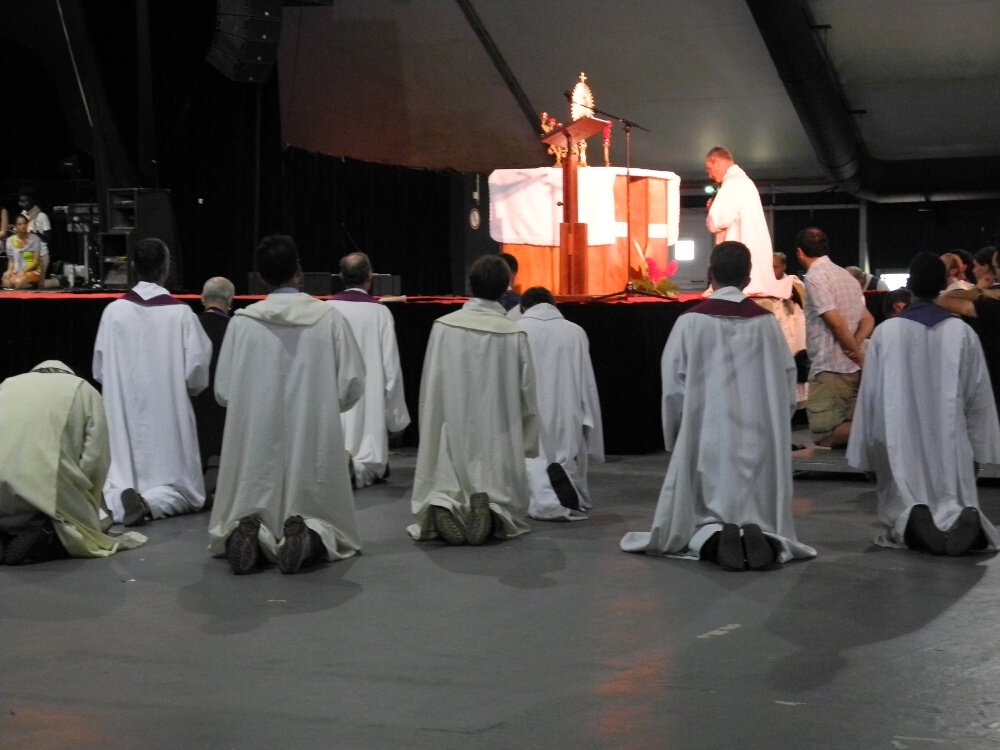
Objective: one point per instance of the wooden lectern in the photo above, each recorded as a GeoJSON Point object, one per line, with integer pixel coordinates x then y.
{"type": "Point", "coordinates": [572, 234]}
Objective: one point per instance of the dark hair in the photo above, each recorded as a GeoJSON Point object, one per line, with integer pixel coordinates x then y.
{"type": "Point", "coordinates": [277, 259]}
{"type": "Point", "coordinates": [729, 264]}
{"type": "Point", "coordinates": [28, 192]}
{"type": "Point", "coordinates": [511, 262]}
{"type": "Point", "coordinates": [984, 255]}
{"type": "Point", "coordinates": [813, 242]}
{"type": "Point", "coordinates": [536, 295]}
{"type": "Point", "coordinates": [355, 269]}
{"type": "Point", "coordinates": [489, 277]}
{"type": "Point", "coordinates": [891, 298]}
{"type": "Point", "coordinates": [150, 259]}
{"type": "Point", "coordinates": [928, 275]}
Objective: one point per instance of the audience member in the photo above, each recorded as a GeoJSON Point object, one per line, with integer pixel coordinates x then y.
{"type": "Point", "coordinates": [38, 220]}
{"type": "Point", "coordinates": [956, 272]}
{"type": "Point", "coordinates": [569, 410]}
{"type": "Point", "coordinates": [288, 368]}
{"type": "Point", "coordinates": [151, 355]}
{"type": "Point", "coordinates": [870, 282]}
{"type": "Point", "coordinates": [217, 301]}
{"type": "Point", "coordinates": [982, 267]}
{"type": "Point", "coordinates": [924, 415]}
{"type": "Point", "coordinates": [24, 258]}
{"type": "Point", "coordinates": [894, 302]}
{"type": "Point", "coordinates": [510, 299]}
{"type": "Point", "coordinates": [382, 411]}
{"type": "Point", "coordinates": [54, 458]}
{"type": "Point", "coordinates": [837, 322]}
{"type": "Point", "coordinates": [779, 262]}
{"type": "Point", "coordinates": [728, 395]}
{"type": "Point", "coordinates": [478, 419]}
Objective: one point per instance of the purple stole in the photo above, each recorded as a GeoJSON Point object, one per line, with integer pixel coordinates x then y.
{"type": "Point", "coordinates": [721, 308]}
{"type": "Point", "coordinates": [353, 295]}
{"type": "Point", "coordinates": [925, 313]}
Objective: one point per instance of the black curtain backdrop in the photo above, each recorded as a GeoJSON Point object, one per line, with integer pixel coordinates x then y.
{"type": "Point", "coordinates": [399, 216]}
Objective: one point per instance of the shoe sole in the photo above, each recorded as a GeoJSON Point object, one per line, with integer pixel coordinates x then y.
{"type": "Point", "coordinates": [296, 546]}
{"type": "Point", "coordinates": [563, 486]}
{"type": "Point", "coordinates": [32, 545]}
{"type": "Point", "coordinates": [758, 552]}
{"type": "Point", "coordinates": [242, 548]}
{"type": "Point", "coordinates": [447, 526]}
{"type": "Point", "coordinates": [135, 509]}
{"type": "Point", "coordinates": [480, 521]}
{"type": "Point", "coordinates": [922, 533]}
{"type": "Point", "coordinates": [964, 533]}
{"type": "Point", "coordinates": [731, 548]}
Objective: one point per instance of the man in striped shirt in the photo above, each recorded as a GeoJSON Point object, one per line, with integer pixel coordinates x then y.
{"type": "Point", "coordinates": [837, 322]}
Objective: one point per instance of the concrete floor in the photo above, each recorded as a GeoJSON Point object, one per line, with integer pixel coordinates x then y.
{"type": "Point", "coordinates": [553, 640]}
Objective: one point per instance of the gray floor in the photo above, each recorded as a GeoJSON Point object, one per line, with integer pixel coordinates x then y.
{"type": "Point", "coordinates": [554, 640]}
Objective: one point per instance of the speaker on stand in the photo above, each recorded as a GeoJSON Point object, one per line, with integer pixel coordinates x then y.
{"type": "Point", "coordinates": [245, 44]}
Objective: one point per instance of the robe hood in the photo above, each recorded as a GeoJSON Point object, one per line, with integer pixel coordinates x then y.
{"type": "Point", "coordinates": [53, 364]}
{"type": "Point", "coordinates": [288, 310]}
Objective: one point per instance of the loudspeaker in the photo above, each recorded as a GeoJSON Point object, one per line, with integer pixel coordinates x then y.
{"type": "Point", "coordinates": [245, 44]}
{"type": "Point", "coordinates": [470, 226]}
{"type": "Point", "coordinates": [316, 283]}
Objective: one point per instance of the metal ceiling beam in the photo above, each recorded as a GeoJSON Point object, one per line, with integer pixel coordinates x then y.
{"type": "Point", "coordinates": [790, 35]}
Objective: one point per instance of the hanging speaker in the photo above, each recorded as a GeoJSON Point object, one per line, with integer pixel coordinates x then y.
{"type": "Point", "coordinates": [245, 44]}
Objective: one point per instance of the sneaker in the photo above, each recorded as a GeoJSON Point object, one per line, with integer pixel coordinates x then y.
{"type": "Point", "coordinates": [563, 486]}
{"type": "Point", "coordinates": [963, 535]}
{"type": "Point", "coordinates": [447, 526]}
{"type": "Point", "coordinates": [137, 510]}
{"type": "Point", "coordinates": [33, 544]}
{"type": "Point", "coordinates": [296, 547]}
{"type": "Point", "coordinates": [922, 534]}
{"type": "Point", "coordinates": [755, 544]}
{"type": "Point", "coordinates": [731, 555]}
{"type": "Point", "coordinates": [480, 521]}
{"type": "Point", "coordinates": [242, 548]}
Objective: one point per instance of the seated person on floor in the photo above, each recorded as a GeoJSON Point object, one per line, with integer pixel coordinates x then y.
{"type": "Point", "coordinates": [925, 414]}
{"type": "Point", "coordinates": [24, 258]}
{"type": "Point", "coordinates": [728, 395]}
{"type": "Point", "coordinates": [54, 458]}
{"type": "Point", "coordinates": [569, 409]}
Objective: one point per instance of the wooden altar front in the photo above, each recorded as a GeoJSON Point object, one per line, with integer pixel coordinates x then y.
{"type": "Point", "coordinates": [525, 214]}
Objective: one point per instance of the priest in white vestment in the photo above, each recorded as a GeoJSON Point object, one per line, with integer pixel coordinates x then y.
{"type": "Point", "coordinates": [151, 355]}
{"type": "Point", "coordinates": [54, 458]}
{"type": "Point", "coordinates": [568, 407]}
{"type": "Point", "coordinates": [289, 366]}
{"type": "Point", "coordinates": [925, 415]}
{"type": "Point", "coordinates": [368, 424]}
{"type": "Point", "coordinates": [728, 397]}
{"type": "Point", "coordinates": [478, 419]}
{"type": "Point", "coordinates": [736, 213]}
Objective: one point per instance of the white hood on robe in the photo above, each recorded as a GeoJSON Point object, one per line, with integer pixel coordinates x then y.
{"type": "Point", "coordinates": [282, 309]}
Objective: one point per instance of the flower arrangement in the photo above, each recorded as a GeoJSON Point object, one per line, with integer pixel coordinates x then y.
{"type": "Point", "coordinates": [655, 280]}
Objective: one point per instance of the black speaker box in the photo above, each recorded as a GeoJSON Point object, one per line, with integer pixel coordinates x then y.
{"type": "Point", "coordinates": [246, 38]}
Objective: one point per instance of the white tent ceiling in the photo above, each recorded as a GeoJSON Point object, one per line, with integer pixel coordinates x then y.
{"type": "Point", "coordinates": [409, 82]}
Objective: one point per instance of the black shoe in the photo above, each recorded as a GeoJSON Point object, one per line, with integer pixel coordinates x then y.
{"type": "Point", "coordinates": [136, 508]}
{"type": "Point", "coordinates": [33, 544]}
{"type": "Point", "coordinates": [297, 548]}
{"type": "Point", "coordinates": [563, 486]}
{"type": "Point", "coordinates": [350, 472]}
{"type": "Point", "coordinates": [242, 547]}
{"type": "Point", "coordinates": [759, 553]}
{"type": "Point", "coordinates": [964, 534]}
{"type": "Point", "coordinates": [480, 524]}
{"type": "Point", "coordinates": [447, 526]}
{"type": "Point", "coordinates": [731, 556]}
{"type": "Point", "coordinates": [921, 533]}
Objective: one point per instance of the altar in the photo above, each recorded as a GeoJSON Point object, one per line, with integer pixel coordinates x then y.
{"type": "Point", "coordinates": [526, 211]}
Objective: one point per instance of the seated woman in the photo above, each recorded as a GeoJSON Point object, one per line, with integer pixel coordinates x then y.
{"type": "Point", "coordinates": [24, 258]}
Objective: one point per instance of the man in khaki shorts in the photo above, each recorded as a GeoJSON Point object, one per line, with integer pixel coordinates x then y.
{"type": "Point", "coordinates": [837, 322]}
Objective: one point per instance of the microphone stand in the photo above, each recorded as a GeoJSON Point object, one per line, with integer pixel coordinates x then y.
{"type": "Point", "coordinates": [627, 125]}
